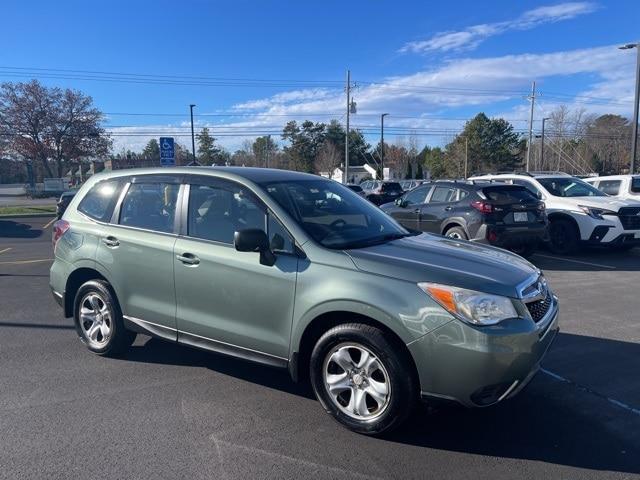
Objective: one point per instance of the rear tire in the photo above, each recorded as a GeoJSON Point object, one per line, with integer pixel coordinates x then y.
{"type": "Point", "coordinates": [564, 238]}
{"type": "Point", "coordinates": [98, 319]}
{"type": "Point", "coordinates": [457, 233]}
{"type": "Point", "coordinates": [363, 379]}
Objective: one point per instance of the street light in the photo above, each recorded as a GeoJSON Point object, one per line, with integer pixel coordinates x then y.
{"type": "Point", "coordinates": [634, 132]}
{"type": "Point", "coordinates": [193, 139]}
{"type": "Point", "coordinates": [382, 143]}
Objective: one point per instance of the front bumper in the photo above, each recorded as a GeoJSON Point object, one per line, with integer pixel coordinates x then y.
{"type": "Point", "coordinates": [480, 366]}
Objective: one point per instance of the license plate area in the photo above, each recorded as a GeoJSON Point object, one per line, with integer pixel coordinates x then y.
{"type": "Point", "coordinates": [520, 216]}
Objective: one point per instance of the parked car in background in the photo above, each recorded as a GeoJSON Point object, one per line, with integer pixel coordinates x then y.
{"type": "Point", "coordinates": [578, 212]}
{"type": "Point", "coordinates": [356, 188]}
{"type": "Point", "coordinates": [620, 186]}
{"type": "Point", "coordinates": [63, 202]}
{"type": "Point", "coordinates": [411, 184]}
{"type": "Point", "coordinates": [217, 258]}
{"type": "Point", "coordinates": [507, 216]}
{"type": "Point", "coordinates": [379, 192]}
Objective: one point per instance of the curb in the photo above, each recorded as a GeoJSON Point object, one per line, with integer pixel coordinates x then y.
{"type": "Point", "coordinates": [29, 215]}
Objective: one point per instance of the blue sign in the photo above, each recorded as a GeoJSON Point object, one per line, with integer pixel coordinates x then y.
{"type": "Point", "coordinates": [167, 152]}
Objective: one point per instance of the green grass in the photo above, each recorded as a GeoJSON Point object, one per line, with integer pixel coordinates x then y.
{"type": "Point", "coordinates": [21, 210]}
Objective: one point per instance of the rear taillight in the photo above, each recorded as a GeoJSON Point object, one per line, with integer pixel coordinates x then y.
{"type": "Point", "coordinates": [482, 207]}
{"type": "Point", "coordinates": [59, 229]}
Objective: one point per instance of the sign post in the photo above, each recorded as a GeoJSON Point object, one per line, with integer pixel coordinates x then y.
{"type": "Point", "coordinates": [167, 152]}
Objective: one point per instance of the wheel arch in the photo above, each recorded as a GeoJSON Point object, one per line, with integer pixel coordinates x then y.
{"type": "Point", "coordinates": [75, 280]}
{"type": "Point", "coordinates": [450, 223]}
{"type": "Point", "coordinates": [555, 216]}
{"type": "Point", "coordinates": [299, 362]}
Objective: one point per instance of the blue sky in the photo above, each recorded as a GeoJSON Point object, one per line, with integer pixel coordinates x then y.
{"type": "Point", "coordinates": [433, 64]}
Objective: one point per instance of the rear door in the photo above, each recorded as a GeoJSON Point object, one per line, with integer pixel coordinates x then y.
{"type": "Point", "coordinates": [137, 249]}
{"type": "Point", "coordinates": [437, 208]}
{"type": "Point", "coordinates": [227, 300]}
{"type": "Point", "coordinates": [513, 205]}
{"type": "Point", "coordinates": [409, 213]}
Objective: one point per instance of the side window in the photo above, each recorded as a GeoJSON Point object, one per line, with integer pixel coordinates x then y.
{"type": "Point", "coordinates": [462, 194]}
{"type": "Point", "coordinates": [151, 206]}
{"type": "Point", "coordinates": [610, 187]}
{"type": "Point", "coordinates": [99, 202]}
{"type": "Point", "coordinates": [279, 238]}
{"type": "Point", "coordinates": [217, 212]}
{"type": "Point", "coordinates": [419, 195]}
{"type": "Point", "coordinates": [443, 194]}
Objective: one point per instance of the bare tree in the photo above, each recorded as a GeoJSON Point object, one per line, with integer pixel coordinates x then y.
{"type": "Point", "coordinates": [328, 158]}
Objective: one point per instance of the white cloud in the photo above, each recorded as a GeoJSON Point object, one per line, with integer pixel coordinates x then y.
{"type": "Point", "coordinates": [494, 84]}
{"type": "Point", "coordinates": [471, 37]}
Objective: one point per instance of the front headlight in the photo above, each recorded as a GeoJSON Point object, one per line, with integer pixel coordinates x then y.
{"type": "Point", "coordinates": [476, 308]}
{"type": "Point", "coordinates": [594, 212]}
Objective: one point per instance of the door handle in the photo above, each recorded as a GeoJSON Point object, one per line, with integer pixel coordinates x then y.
{"type": "Point", "coordinates": [417, 210]}
{"type": "Point", "coordinates": [188, 259]}
{"type": "Point", "coordinates": [111, 241]}
{"type": "Point", "coordinates": [448, 208]}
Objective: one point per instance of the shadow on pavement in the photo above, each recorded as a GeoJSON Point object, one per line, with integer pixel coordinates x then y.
{"type": "Point", "coordinates": [36, 325]}
{"type": "Point", "coordinates": [550, 421]}
{"type": "Point", "coordinates": [589, 260]}
{"type": "Point", "coordinates": [15, 229]}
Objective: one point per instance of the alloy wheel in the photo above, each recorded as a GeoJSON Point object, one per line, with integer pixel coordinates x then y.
{"type": "Point", "coordinates": [357, 381]}
{"type": "Point", "coordinates": [96, 320]}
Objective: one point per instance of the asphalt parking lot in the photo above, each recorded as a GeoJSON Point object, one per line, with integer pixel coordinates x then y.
{"type": "Point", "coordinates": [165, 411]}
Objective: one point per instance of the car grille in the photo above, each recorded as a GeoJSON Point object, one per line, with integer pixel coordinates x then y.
{"type": "Point", "coordinates": [539, 308]}
{"type": "Point", "coordinates": [630, 218]}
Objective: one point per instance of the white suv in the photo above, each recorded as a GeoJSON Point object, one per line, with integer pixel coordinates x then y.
{"type": "Point", "coordinates": [578, 212]}
{"type": "Point", "coordinates": [620, 186]}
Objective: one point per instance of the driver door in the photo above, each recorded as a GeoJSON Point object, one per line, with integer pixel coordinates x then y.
{"type": "Point", "coordinates": [408, 214]}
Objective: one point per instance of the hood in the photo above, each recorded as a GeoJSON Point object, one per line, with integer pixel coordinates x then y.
{"type": "Point", "coordinates": [432, 258]}
{"type": "Point", "coordinates": [609, 203]}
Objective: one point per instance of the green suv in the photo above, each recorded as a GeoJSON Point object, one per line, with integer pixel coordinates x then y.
{"type": "Point", "coordinates": [299, 272]}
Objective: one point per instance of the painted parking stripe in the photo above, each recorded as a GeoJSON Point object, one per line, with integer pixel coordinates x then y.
{"type": "Point", "coordinates": [584, 388]}
{"type": "Point", "coordinates": [575, 261]}
{"type": "Point", "coordinates": [21, 262]}
{"type": "Point", "coordinates": [49, 224]}
{"type": "Point", "coordinates": [5, 250]}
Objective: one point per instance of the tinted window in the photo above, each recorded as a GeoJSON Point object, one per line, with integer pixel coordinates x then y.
{"type": "Point", "coordinates": [391, 187]}
{"type": "Point", "coordinates": [217, 212]}
{"type": "Point", "coordinates": [355, 188]}
{"type": "Point", "coordinates": [610, 187]}
{"type": "Point", "coordinates": [151, 206]}
{"type": "Point", "coordinates": [99, 202]}
{"type": "Point", "coordinates": [635, 184]}
{"type": "Point", "coordinates": [508, 194]}
{"type": "Point", "coordinates": [528, 185]}
{"type": "Point", "coordinates": [569, 187]}
{"type": "Point", "coordinates": [419, 195]}
{"type": "Point", "coordinates": [443, 194]}
{"type": "Point", "coordinates": [333, 215]}
{"type": "Point", "coordinates": [462, 194]}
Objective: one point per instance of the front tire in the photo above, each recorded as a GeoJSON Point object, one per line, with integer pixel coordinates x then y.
{"type": "Point", "coordinates": [563, 237]}
{"type": "Point", "coordinates": [363, 379]}
{"type": "Point", "coordinates": [98, 319]}
{"type": "Point", "coordinates": [456, 233]}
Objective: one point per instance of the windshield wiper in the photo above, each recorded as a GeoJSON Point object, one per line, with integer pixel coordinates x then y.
{"type": "Point", "coordinates": [368, 242]}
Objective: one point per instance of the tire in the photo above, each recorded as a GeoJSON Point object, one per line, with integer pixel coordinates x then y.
{"type": "Point", "coordinates": [525, 249]}
{"type": "Point", "coordinates": [563, 237]}
{"type": "Point", "coordinates": [388, 376]}
{"type": "Point", "coordinates": [457, 233]}
{"type": "Point", "coordinates": [98, 319]}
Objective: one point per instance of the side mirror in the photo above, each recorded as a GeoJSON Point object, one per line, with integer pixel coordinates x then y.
{"type": "Point", "coordinates": [400, 202]}
{"type": "Point", "coordinates": [255, 240]}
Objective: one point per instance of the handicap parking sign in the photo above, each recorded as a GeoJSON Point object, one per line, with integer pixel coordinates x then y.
{"type": "Point", "coordinates": [167, 152]}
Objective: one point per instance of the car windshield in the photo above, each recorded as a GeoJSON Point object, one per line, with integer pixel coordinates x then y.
{"type": "Point", "coordinates": [391, 187]}
{"type": "Point", "coordinates": [569, 187]}
{"type": "Point", "coordinates": [333, 215]}
{"type": "Point", "coordinates": [635, 184]}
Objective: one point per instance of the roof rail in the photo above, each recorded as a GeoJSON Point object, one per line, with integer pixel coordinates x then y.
{"type": "Point", "coordinates": [549, 172]}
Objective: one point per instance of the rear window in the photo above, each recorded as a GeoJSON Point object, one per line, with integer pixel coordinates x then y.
{"type": "Point", "coordinates": [391, 187]}
{"type": "Point", "coordinates": [635, 184]}
{"type": "Point", "coordinates": [610, 187]}
{"type": "Point", "coordinates": [506, 194]}
{"type": "Point", "coordinates": [99, 202]}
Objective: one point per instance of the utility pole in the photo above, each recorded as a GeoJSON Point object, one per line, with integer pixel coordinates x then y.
{"type": "Point", "coordinates": [382, 144]}
{"type": "Point", "coordinates": [346, 137]}
{"type": "Point", "coordinates": [267, 148]}
{"type": "Point", "coordinates": [542, 143]}
{"type": "Point", "coordinates": [636, 104]}
{"type": "Point", "coordinates": [193, 138]}
{"type": "Point", "coordinates": [533, 99]}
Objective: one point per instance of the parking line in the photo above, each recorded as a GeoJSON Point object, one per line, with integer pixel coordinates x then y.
{"type": "Point", "coordinates": [21, 262]}
{"type": "Point", "coordinates": [575, 261]}
{"type": "Point", "coordinates": [49, 224]}
{"type": "Point", "coordinates": [5, 250]}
